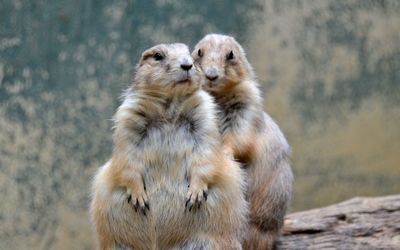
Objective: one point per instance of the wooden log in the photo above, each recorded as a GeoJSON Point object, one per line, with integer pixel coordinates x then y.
{"type": "Point", "coordinates": [359, 223]}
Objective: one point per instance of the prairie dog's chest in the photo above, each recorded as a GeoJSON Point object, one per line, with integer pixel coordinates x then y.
{"type": "Point", "coordinates": [161, 129]}
{"type": "Point", "coordinates": [169, 136]}
{"type": "Point", "coordinates": [167, 147]}
{"type": "Point", "coordinates": [169, 133]}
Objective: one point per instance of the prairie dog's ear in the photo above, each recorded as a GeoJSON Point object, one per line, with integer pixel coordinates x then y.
{"type": "Point", "coordinates": [158, 53]}
{"type": "Point", "coordinates": [145, 55]}
{"type": "Point", "coordinates": [197, 52]}
{"type": "Point", "coordinates": [237, 45]}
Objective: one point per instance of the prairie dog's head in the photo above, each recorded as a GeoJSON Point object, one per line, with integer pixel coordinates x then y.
{"type": "Point", "coordinates": [222, 60]}
{"type": "Point", "coordinates": [167, 67]}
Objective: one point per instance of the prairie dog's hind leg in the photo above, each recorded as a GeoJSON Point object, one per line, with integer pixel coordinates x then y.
{"type": "Point", "coordinates": [105, 239]}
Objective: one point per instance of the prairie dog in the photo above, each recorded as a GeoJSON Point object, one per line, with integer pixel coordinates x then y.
{"type": "Point", "coordinates": [168, 184]}
{"type": "Point", "coordinates": [249, 134]}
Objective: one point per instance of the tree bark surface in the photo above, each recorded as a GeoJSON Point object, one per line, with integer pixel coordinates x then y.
{"type": "Point", "coordinates": [358, 223]}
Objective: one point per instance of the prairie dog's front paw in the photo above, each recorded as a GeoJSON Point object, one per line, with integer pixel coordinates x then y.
{"type": "Point", "coordinates": [138, 200]}
{"type": "Point", "coordinates": [195, 196]}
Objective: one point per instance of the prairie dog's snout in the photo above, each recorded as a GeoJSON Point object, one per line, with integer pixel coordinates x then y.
{"type": "Point", "coordinates": [186, 63]}
{"type": "Point", "coordinates": [211, 73]}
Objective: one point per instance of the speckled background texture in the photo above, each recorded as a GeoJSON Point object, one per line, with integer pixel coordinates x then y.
{"type": "Point", "coordinates": [329, 70]}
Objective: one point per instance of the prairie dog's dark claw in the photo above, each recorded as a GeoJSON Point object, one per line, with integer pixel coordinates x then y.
{"type": "Point", "coordinates": [189, 206]}
{"type": "Point", "coordinates": [134, 206]}
{"type": "Point", "coordinates": [187, 201]}
{"type": "Point", "coordinates": [143, 209]}
{"type": "Point", "coordinates": [195, 198]}
{"type": "Point", "coordinates": [139, 203]}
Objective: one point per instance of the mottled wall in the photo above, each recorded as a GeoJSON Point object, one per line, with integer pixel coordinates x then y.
{"type": "Point", "coordinates": [331, 75]}
{"type": "Point", "coordinates": [330, 71]}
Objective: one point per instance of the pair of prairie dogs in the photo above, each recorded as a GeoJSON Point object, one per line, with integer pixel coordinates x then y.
{"type": "Point", "coordinates": [172, 182]}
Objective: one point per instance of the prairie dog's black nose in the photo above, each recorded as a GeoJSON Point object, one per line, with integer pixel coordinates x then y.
{"type": "Point", "coordinates": [186, 63]}
{"type": "Point", "coordinates": [186, 66]}
{"type": "Point", "coordinates": [212, 78]}
{"type": "Point", "coordinates": [211, 73]}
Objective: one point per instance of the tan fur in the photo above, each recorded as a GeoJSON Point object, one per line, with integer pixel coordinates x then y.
{"type": "Point", "coordinates": [167, 154]}
{"type": "Point", "coordinates": [249, 134]}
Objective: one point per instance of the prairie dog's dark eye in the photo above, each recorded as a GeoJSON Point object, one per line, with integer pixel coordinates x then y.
{"type": "Point", "coordinates": [200, 53]}
{"type": "Point", "coordinates": [230, 56]}
{"type": "Point", "coordinates": [158, 57]}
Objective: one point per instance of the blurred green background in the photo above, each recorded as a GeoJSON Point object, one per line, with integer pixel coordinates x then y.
{"type": "Point", "coordinates": [329, 70]}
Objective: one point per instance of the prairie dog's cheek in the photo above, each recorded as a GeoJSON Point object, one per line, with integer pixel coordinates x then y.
{"type": "Point", "coordinates": [230, 69]}
{"type": "Point", "coordinates": [233, 72]}
{"type": "Point", "coordinates": [159, 76]}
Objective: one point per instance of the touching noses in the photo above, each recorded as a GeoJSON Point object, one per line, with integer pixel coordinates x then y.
{"type": "Point", "coordinates": [186, 64]}
{"type": "Point", "coordinates": [211, 73]}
